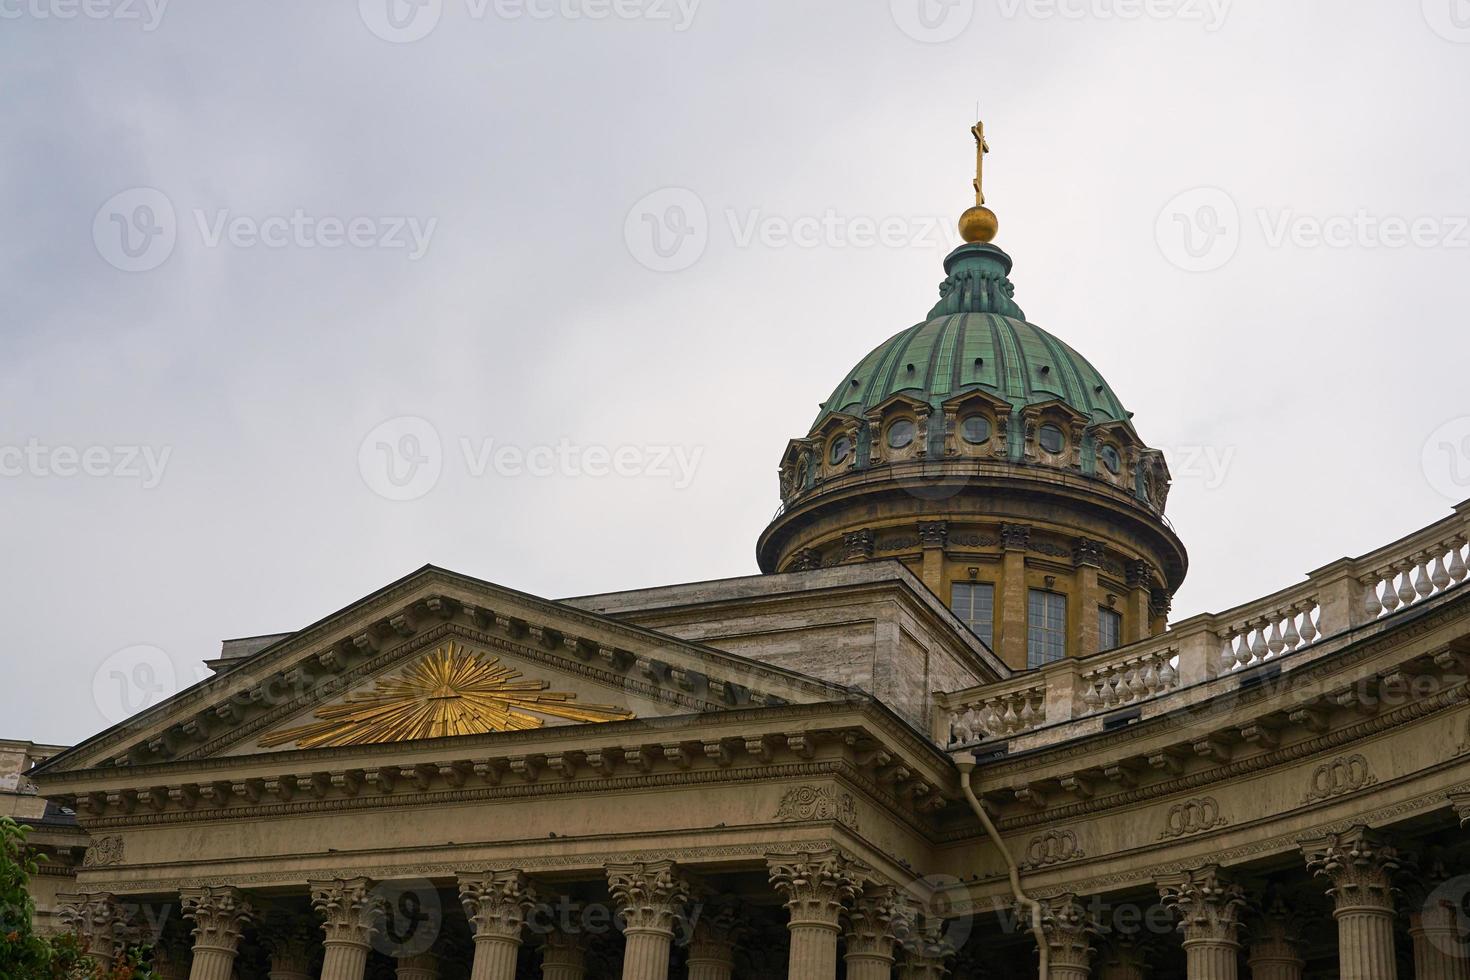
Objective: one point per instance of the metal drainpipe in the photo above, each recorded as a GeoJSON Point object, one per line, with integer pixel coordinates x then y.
{"type": "Point", "coordinates": [1015, 873]}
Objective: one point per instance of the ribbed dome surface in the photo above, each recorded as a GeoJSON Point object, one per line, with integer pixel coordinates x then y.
{"type": "Point", "coordinates": [947, 356]}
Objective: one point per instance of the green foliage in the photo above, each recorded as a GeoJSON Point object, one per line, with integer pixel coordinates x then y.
{"type": "Point", "coordinates": [24, 955]}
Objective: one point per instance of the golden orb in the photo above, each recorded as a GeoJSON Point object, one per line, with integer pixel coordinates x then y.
{"type": "Point", "coordinates": [979, 224]}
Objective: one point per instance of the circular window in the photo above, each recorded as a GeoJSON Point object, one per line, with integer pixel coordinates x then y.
{"type": "Point", "coordinates": [900, 434]}
{"type": "Point", "coordinates": [1112, 460]}
{"type": "Point", "coordinates": [1052, 439]}
{"type": "Point", "coordinates": [975, 429]}
{"type": "Point", "coordinates": [841, 449]}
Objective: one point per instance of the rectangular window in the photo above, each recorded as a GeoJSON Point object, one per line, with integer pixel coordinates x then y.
{"type": "Point", "coordinates": [974, 604]}
{"type": "Point", "coordinates": [1109, 629]}
{"type": "Point", "coordinates": [1046, 628]}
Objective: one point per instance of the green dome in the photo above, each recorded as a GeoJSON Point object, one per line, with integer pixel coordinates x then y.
{"type": "Point", "coordinates": [976, 338]}
{"type": "Point", "coordinates": [939, 359]}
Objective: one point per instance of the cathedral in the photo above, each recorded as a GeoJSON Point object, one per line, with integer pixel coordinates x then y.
{"type": "Point", "coordinates": [950, 730]}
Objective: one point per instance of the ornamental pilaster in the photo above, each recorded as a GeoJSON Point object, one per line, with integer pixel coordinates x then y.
{"type": "Point", "coordinates": [291, 947]}
{"type": "Point", "coordinates": [1124, 959]}
{"type": "Point", "coordinates": [220, 916]}
{"type": "Point", "coordinates": [927, 951]}
{"type": "Point", "coordinates": [1207, 906]}
{"type": "Point", "coordinates": [496, 903]}
{"type": "Point", "coordinates": [563, 956]}
{"type": "Point", "coordinates": [1359, 866]}
{"type": "Point", "coordinates": [817, 886]}
{"type": "Point", "coordinates": [650, 897]}
{"type": "Point", "coordinates": [350, 914]}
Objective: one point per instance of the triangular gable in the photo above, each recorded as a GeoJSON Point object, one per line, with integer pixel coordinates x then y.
{"type": "Point", "coordinates": [579, 666]}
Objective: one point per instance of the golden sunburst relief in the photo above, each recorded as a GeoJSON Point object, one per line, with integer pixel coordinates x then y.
{"type": "Point", "coordinates": [452, 691]}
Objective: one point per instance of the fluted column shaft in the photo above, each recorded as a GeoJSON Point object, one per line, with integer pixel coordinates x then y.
{"type": "Point", "coordinates": [219, 916]}
{"type": "Point", "coordinates": [424, 966]}
{"type": "Point", "coordinates": [1274, 966]}
{"type": "Point", "coordinates": [563, 958]}
{"type": "Point", "coordinates": [713, 960]}
{"type": "Point", "coordinates": [1208, 909]}
{"type": "Point", "coordinates": [650, 898]}
{"type": "Point", "coordinates": [290, 956]}
{"type": "Point", "coordinates": [496, 903]}
{"type": "Point", "coordinates": [1360, 868]}
{"type": "Point", "coordinates": [1439, 948]}
{"type": "Point", "coordinates": [350, 914]}
{"type": "Point", "coordinates": [816, 886]}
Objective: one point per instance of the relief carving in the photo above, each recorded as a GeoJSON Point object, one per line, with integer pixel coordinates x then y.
{"type": "Point", "coordinates": [1345, 774]}
{"type": "Point", "coordinates": [1192, 817]}
{"type": "Point", "coordinates": [817, 803]}
{"type": "Point", "coordinates": [104, 852]}
{"type": "Point", "coordinates": [1052, 847]}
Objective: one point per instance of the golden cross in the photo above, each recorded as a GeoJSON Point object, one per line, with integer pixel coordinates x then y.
{"type": "Point", "coordinates": [981, 148]}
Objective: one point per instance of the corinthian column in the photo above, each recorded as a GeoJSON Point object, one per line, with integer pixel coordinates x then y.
{"type": "Point", "coordinates": [1208, 909]}
{"type": "Point", "coordinates": [219, 916]}
{"type": "Point", "coordinates": [350, 915]}
{"type": "Point", "coordinates": [878, 915]}
{"type": "Point", "coordinates": [650, 898]}
{"type": "Point", "coordinates": [1274, 954]}
{"type": "Point", "coordinates": [1068, 934]}
{"type": "Point", "coordinates": [1360, 869]}
{"type": "Point", "coordinates": [497, 903]}
{"type": "Point", "coordinates": [423, 966]}
{"type": "Point", "coordinates": [816, 886]}
{"type": "Point", "coordinates": [926, 953]}
{"type": "Point", "coordinates": [99, 923]}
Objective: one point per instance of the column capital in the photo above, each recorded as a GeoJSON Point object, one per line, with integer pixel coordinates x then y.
{"type": "Point", "coordinates": [1068, 932]}
{"type": "Point", "coordinates": [98, 920]}
{"type": "Point", "coordinates": [497, 902]}
{"type": "Point", "coordinates": [879, 918]}
{"type": "Point", "coordinates": [1206, 904]}
{"type": "Point", "coordinates": [926, 949]}
{"type": "Point", "coordinates": [349, 910]}
{"type": "Point", "coordinates": [219, 914]}
{"type": "Point", "coordinates": [1015, 537]}
{"type": "Point", "coordinates": [817, 885]}
{"type": "Point", "coordinates": [933, 534]}
{"type": "Point", "coordinates": [650, 896]}
{"type": "Point", "coordinates": [1275, 937]}
{"type": "Point", "coordinates": [1360, 867]}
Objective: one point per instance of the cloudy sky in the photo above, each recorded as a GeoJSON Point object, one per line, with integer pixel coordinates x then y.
{"type": "Point", "coordinates": [577, 269]}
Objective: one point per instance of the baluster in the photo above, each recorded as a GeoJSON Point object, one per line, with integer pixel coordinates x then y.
{"type": "Point", "coordinates": [1275, 643]}
{"type": "Point", "coordinates": [1092, 699]}
{"type": "Point", "coordinates": [1458, 571]}
{"type": "Point", "coordinates": [1421, 579]}
{"type": "Point", "coordinates": [1258, 643]}
{"type": "Point", "coordinates": [1227, 653]}
{"type": "Point", "coordinates": [1310, 631]}
{"type": "Point", "coordinates": [1438, 577]}
{"type": "Point", "coordinates": [990, 719]}
{"type": "Point", "coordinates": [1168, 676]}
{"type": "Point", "coordinates": [1009, 720]}
{"type": "Point", "coordinates": [1407, 594]}
{"type": "Point", "coordinates": [1390, 594]}
{"type": "Point", "coordinates": [1137, 689]}
{"type": "Point", "coordinates": [1110, 687]}
{"type": "Point", "coordinates": [1371, 606]}
{"type": "Point", "coordinates": [1027, 716]}
{"type": "Point", "coordinates": [1150, 679]}
{"type": "Point", "coordinates": [1293, 639]}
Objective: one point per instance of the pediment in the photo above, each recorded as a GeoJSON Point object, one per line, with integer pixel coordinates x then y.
{"type": "Point", "coordinates": [439, 656]}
